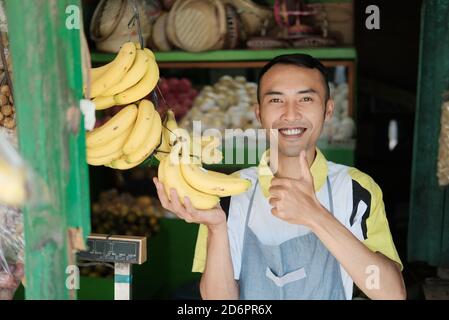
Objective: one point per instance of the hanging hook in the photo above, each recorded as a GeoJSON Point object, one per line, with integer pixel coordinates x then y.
{"type": "Point", "coordinates": [136, 20]}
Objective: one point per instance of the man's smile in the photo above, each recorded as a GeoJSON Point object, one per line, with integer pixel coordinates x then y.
{"type": "Point", "coordinates": [292, 133]}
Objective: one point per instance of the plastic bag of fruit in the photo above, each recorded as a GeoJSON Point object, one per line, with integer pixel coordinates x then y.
{"type": "Point", "coordinates": [12, 196]}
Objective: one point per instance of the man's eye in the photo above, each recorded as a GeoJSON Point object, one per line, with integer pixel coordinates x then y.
{"type": "Point", "coordinates": [306, 99]}
{"type": "Point", "coordinates": [275, 100]}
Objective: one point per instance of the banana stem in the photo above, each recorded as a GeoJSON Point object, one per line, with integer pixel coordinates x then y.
{"type": "Point", "coordinates": [161, 151]}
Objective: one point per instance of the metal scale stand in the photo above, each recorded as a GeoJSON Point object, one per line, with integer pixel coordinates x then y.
{"type": "Point", "coordinates": [123, 251]}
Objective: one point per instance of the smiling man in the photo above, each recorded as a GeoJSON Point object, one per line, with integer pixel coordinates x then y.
{"type": "Point", "coordinates": [309, 229]}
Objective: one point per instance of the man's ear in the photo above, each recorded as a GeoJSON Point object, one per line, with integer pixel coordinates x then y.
{"type": "Point", "coordinates": [257, 111]}
{"type": "Point", "coordinates": [329, 109]}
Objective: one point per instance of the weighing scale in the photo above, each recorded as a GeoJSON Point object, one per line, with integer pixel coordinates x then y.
{"type": "Point", "coordinates": [123, 251]}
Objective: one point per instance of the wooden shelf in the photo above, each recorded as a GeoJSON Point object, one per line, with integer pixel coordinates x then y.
{"type": "Point", "coordinates": [330, 53]}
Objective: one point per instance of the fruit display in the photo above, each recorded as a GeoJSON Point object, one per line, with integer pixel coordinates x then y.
{"type": "Point", "coordinates": [13, 194]}
{"type": "Point", "coordinates": [7, 109]}
{"type": "Point", "coordinates": [189, 178]}
{"type": "Point", "coordinates": [123, 214]}
{"type": "Point", "coordinates": [342, 126]}
{"type": "Point", "coordinates": [178, 95]}
{"type": "Point", "coordinates": [12, 249]}
{"type": "Point", "coordinates": [229, 103]}
{"type": "Point", "coordinates": [131, 76]}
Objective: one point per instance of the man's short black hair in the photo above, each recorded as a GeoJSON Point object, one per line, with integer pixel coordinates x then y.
{"type": "Point", "coordinates": [300, 60]}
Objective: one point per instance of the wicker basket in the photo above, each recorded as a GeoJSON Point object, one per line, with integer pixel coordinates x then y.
{"type": "Point", "coordinates": [197, 25]}
{"type": "Point", "coordinates": [109, 25]}
{"type": "Point", "coordinates": [159, 36]}
{"type": "Point", "coordinates": [254, 17]}
{"type": "Point", "coordinates": [234, 28]}
{"type": "Point", "coordinates": [170, 30]}
{"type": "Point", "coordinates": [266, 43]}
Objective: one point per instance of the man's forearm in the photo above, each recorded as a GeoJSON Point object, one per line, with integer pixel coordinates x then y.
{"type": "Point", "coordinates": [218, 281]}
{"type": "Point", "coordinates": [359, 261]}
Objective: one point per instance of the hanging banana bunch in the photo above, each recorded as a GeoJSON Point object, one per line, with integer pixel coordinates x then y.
{"type": "Point", "coordinates": [131, 76]}
{"type": "Point", "coordinates": [203, 187]}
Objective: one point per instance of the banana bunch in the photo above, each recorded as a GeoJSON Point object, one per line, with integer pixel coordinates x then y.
{"type": "Point", "coordinates": [203, 187]}
{"type": "Point", "coordinates": [203, 149]}
{"type": "Point", "coordinates": [127, 139]}
{"type": "Point", "coordinates": [131, 76]}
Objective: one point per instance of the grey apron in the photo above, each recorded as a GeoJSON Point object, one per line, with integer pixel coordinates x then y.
{"type": "Point", "coordinates": [298, 269]}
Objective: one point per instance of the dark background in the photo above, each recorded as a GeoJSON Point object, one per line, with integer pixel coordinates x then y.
{"type": "Point", "coordinates": [387, 85]}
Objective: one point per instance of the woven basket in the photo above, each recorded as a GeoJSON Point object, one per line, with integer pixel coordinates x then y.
{"type": "Point", "coordinates": [170, 29]}
{"type": "Point", "coordinates": [313, 41]}
{"type": "Point", "coordinates": [254, 17]}
{"type": "Point", "coordinates": [109, 25]}
{"type": "Point", "coordinates": [234, 28]}
{"type": "Point", "coordinates": [266, 43]}
{"type": "Point", "coordinates": [159, 36]}
{"type": "Point", "coordinates": [197, 25]}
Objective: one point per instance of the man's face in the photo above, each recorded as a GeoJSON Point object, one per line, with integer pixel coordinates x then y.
{"type": "Point", "coordinates": [292, 100]}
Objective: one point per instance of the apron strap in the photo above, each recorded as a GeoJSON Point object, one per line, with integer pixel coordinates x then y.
{"type": "Point", "coordinates": [331, 199]}
{"type": "Point", "coordinates": [248, 212]}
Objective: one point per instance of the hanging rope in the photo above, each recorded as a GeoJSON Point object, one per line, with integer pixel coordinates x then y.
{"type": "Point", "coordinates": [135, 20]}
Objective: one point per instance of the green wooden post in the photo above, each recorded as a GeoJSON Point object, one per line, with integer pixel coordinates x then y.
{"type": "Point", "coordinates": [47, 84]}
{"type": "Point", "coordinates": [429, 211]}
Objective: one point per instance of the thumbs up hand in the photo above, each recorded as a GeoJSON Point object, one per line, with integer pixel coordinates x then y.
{"type": "Point", "coordinates": [294, 200]}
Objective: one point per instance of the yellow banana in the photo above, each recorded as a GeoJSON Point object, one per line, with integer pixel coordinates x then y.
{"type": "Point", "coordinates": [133, 76]}
{"type": "Point", "coordinates": [12, 184]}
{"type": "Point", "coordinates": [212, 182]}
{"type": "Point", "coordinates": [142, 88]}
{"type": "Point", "coordinates": [141, 128]}
{"type": "Point", "coordinates": [172, 177]}
{"type": "Point", "coordinates": [119, 67]}
{"type": "Point", "coordinates": [110, 147]}
{"type": "Point", "coordinates": [164, 149]}
{"type": "Point", "coordinates": [96, 73]}
{"type": "Point", "coordinates": [150, 53]}
{"type": "Point", "coordinates": [152, 140]}
{"type": "Point", "coordinates": [195, 148]}
{"type": "Point", "coordinates": [210, 154]}
{"type": "Point", "coordinates": [171, 126]}
{"type": "Point", "coordinates": [121, 164]}
{"type": "Point", "coordinates": [104, 102]}
{"type": "Point", "coordinates": [116, 126]}
{"type": "Point", "coordinates": [100, 161]}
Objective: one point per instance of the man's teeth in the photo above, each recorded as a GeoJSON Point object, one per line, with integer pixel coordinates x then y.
{"type": "Point", "coordinates": [291, 132]}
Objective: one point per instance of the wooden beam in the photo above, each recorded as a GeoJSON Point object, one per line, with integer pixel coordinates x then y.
{"type": "Point", "coordinates": [48, 87]}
